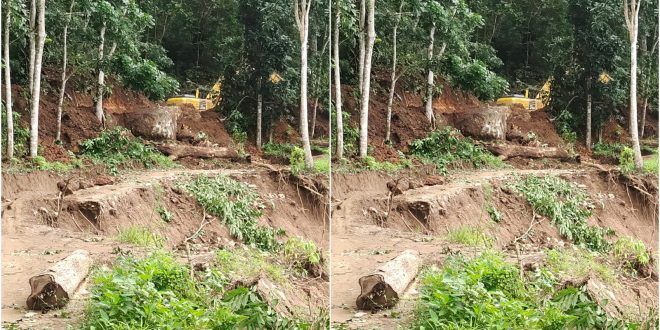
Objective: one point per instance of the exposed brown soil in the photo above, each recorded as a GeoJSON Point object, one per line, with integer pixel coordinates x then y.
{"type": "Point", "coordinates": [365, 234]}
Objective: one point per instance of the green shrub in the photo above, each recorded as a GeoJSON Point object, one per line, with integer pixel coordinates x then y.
{"type": "Point", "coordinates": [567, 206]}
{"type": "Point", "coordinates": [158, 293]}
{"type": "Point", "coordinates": [164, 213]}
{"type": "Point", "coordinates": [280, 150]}
{"type": "Point", "coordinates": [300, 253]}
{"type": "Point", "coordinates": [493, 213]}
{"type": "Point", "coordinates": [140, 237]}
{"type": "Point", "coordinates": [631, 251]}
{"type": "Point", "coordinates": [651, 164]}
{"type": "Point", "coordinates": [446, 147]}
{"type": "Point", "coordinates": [242, 263]}
{"type": "Point", "coordinates": [116, 147]}
{"type": "Point", "coordinates": [488, 293]}
{"type": "Point", "coordinates": [609, 150]}
{"type": "Point", "coordinates": [40, 163]}
{"type": "Point", "coordinates": [21, 134]}
{"type": "Point", "coordinates": [627, 160]}
{"type": "Point", "coordinates": [372, 164]}
{"type": "Point", "coordinates": [297, 160]}
{"type": "Point", "coordinates": [237, 205]}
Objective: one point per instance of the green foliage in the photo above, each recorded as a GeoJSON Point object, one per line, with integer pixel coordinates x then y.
{"type": "Point", "coordinates": [42, 164]}
{"type": "Point", "coordinates": [567, 206]}
{"type": "Point", "coordinates": [21, 134]}
{"type": "Point", "coordinates": [578, 263]}
{"type": "Point", "coordinates": [651, 164]}
{"type": "Point", "coordinates": [165, 214]}
{"type": "Point", "coordinates": [246, 263]}
{"type": "Point", "coordinates": [469, 236]}
{"type": "Point", "coordinates": [159, 293]}
{"type": "Point", "coordinates": [631, 252]}
{"type": "Point", "coordinates": [139, 236]}
{"type": "Point", "coordinates": [608, 150]}
{"type": "Point", "coordinates": [446, 147]}
{"type": "Point", "coordinates": [238, 205]}
{"type": "Point", "coordinates": [488, 293]}
{"type": "Point", "coordinates": [372, 164]}
{"type": "Point", "coordinates": [493, 213]}
{"type": "Point", "coordinates": [115, 148]}
{"type": "Point", "coordinates": [297, 160]}
{"type": "Point", "coordinates": [301, 253]}
{"type": "Point", "coordinates": [279, 150]}
{"type": "Point", "coordinates": [144, 75]}
{"type": "Point", "coordinates": [627, 160]}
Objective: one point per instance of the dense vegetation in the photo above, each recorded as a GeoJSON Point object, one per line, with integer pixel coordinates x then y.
{"type": "Point", "coordinates": [487, 292]}
{"type": "Point", "coordinates": [157, 292]}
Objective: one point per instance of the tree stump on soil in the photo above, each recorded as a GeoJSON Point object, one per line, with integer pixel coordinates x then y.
{"type": "Point", "coordinates": [54, 287]}
{"type": "Point", "coordinates": [384, 287]}
{"type": "Point", "coordinates": [506, 151]}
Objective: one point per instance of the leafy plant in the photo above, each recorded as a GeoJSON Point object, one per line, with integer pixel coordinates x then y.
{"type": "Point", "coordinates": [280, 150]}
{"type": "Point", "coordinates": [237, 205]}
{"type": "Point", "coordinates": [245, 263]}
{"type": "Point", "coordinates": [578, 263]}
{"type": "Point", "coordinates": [627, 160]}
{"type": "Point", "coordinates": [297, 160]}
{"type": "Point", "coordinates": [158, 293]}
{"type": "Point", "coordinates": [140, 237]}
{"type": "Point", "coordinates": [446, 147]}
{"type": "Point", "coordinates": [651, 164]}
{"type": "Point", "coordinates": [165, 214]}
{"type": "Point", "coordinates": [301, 253]}
{"type": "Point", "coordinates": [567, 206]}
{"type": "Point", "coordinates": [631, 252]}
{"type": "Point", "coordinates": [115, 148]}
{"type": "Point", "coordinates": [487, 292]}
{"type": "Point", "coordinates": [493, 213]}
{"type": "Point", "coordinates": [609, 150]}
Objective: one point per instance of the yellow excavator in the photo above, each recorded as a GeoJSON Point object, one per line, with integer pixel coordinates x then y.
{"type": "Point", "coordinates": [539, 102]}
{"type": "Point", "coordinates": [202, 100]}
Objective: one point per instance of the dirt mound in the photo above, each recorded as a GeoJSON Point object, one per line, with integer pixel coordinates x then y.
{"type": "Point", "coordinates": [614, 132]}
{"type": "Point", "coordinates": [209, 123]}
{"type": "Point", "coordinates": [537, 122]}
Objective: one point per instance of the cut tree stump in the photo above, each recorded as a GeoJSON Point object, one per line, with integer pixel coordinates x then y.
{"type": "Point", "coordinates": [54, 287]}
{"type": "Point", "coordinates": [384, 287]}
{"type": "Point", "coordinates": [176, 151]}
{"type": "Point", "coordinates": [506, 151]}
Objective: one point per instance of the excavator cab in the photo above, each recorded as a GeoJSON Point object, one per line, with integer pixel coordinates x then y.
{"type": "Point", "coordinates": [202, 99]}
{"type": "Point", "coordinates": [523, 99]}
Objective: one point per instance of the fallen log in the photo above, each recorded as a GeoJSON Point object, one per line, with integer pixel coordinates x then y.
{"type": "Point", "coordinates": [384, 287]}
{"type": "Point", "coordinates": [506, 151]}
{"type": "Point", "coordinates": [176, 151]}
{"type": "Point", "coordinates": [54, 287]}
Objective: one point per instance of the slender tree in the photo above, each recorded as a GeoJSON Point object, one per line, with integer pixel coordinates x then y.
{"type": "Point", "coordinates": [366, 80]}
{"type": "Point", "coordinates": [393, 75]}
{"type": "Point", "coordinates": [31, 39]}
{"type": "Point", "coordinates": [588, 138]}
{"type": "Point", "coordinates": [64, 76]}
{"type": "Point", "coordinates": [631, 13]}
{"type": "Point", "coordinates": [361, 43]}
{"type": "Point", "coordinates": [337, 71]}
{"type": "Point", "coordinates": [302, 8]}
{"type": "Point", "coordinates": [430, 116]}
{"type": "Point", "coordinates": [36, 88]}
{"type": "Point", "coordinates": [7, 74]}
{"type": "Point", "coordinates": [259, 110]}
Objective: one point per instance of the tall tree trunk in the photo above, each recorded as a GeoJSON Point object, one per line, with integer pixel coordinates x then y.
{"type": "Point", "coordinates": [31, 39]}
{"type": "Point", "coordinates": [588, 142]}
{"type": "Point", "coordinates": [393, 77]}
{"type": "Point", "coordinates": [337, 70]}
{"type": "Point", "coordinates": [302, 21]}
{"type": "Point", "coordinates": [313, 124]}
{"type": "Point", "coordinates": [8, 100]}
{"type": "Point", "coordinates": [361, 43]}
{"type": "Point", "coordinates": [364, 112]}
{"type": "Point", "coordinates": [632, 22]}
{"type": "Point", "coordinates": [430, 116]}
{"type": "Point", "coordinates": [259, 108]}
{"type": "Point", "coordinates": [643, 123]}
{"type": "Point", "coordinates": [64, 78]}
{"type": "Point", "coordinates": [101, 79]}
{"type": "Point", "coordinates": [36, 88]}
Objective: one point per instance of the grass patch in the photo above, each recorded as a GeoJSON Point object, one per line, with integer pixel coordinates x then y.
{"type": "Point", "coordinates": [578, 263]}
{"type": "Point", "coordinates": [116, 148]}
{"type": "Point", "coordinates": [140, 237]}
{"type": "Point", "coordinates": [158, 293]}
{"type": "Point", "coordinates": [651, 164]}
{"type": "Point", "coordinates": [631, 252]}
{"type": "Point", "coordinates": [248, 263]}
{"type": "Point", "coordinates": [488, 293]}
{"type": "Point", "coordinates": [239, 207]}
{"type": "Point", "coordinates": [470, 237]}
{"type": "Point", "coordinates": [608, 150]}
{"type": "Point", "coordinates": [279, 150]}
{"type": "Point", "coordinates": [567, 206]}
{"type": "Point", "coordinates": [445, 148]}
